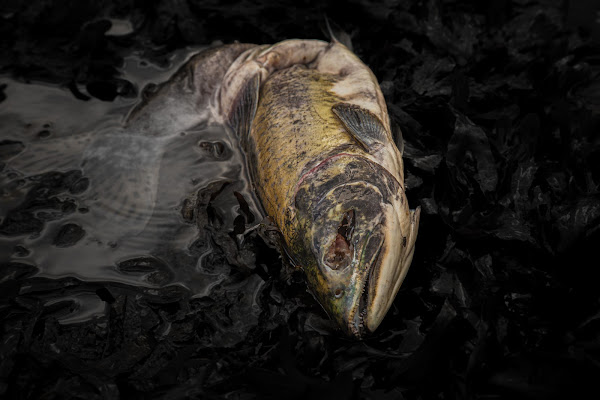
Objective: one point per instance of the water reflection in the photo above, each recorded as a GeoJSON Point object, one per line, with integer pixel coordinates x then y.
{"type": "Point", "coordinates": [82, 196]}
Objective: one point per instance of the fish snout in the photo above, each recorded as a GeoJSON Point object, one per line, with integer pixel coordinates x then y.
{"type": "Point", "coordinates": [369, 264]}
{"type": "Point", "coordinates": [355, 235]}
{"type": "Point", "coordinates": [348, 245]}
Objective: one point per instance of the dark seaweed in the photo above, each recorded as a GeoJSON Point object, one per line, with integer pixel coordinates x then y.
{"type": "Point", "coordinates": [499, 106]}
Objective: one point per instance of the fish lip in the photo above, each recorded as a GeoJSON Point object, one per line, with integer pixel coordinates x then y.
{"type": "Point", "coordinates": [356, 324]}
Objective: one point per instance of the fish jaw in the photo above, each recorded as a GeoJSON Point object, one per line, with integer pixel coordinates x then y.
{"type": "Point", "coordinates": [385, 260]}
{"type": "Point", "coordinates": [393, 264]}
{"type": "Point", "coordinates": [352, 237]}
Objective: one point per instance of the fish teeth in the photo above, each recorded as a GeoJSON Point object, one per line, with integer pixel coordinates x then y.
{"type": "Point", "coordinates": [362, 316]}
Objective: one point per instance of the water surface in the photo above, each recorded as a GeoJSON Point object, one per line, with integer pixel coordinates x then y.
{"type": "Point", "coordinates": [82, 197]}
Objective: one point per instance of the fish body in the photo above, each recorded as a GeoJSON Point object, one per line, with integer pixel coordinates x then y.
{"type": "Point", "coordinates": [314, 126]}
{"type": "Point", "coordinates": [323, 163]}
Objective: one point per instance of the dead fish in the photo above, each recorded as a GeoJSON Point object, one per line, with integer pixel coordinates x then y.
{"type": "Point", "coordinates": [314, 125]}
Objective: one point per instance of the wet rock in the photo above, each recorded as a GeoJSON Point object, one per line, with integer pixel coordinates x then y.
{"type": "Point", "coordinates": [44, 134]}
{"type": "Point", "coordinates": [429, 79]}
{"type": "Point", "coordinates": [10, 148]}
{"type": "Point", "coordinates": [576, 221]}
{"type": "Point", "coordinates": [429, 206]}
{"type": "Point", "coordinates": [105, 295]}
{"type": "Point", "coordinates": [20, 223]}
{"type": "Point", "coordinates": [21, 251]}
{"type": "Point", "coordinates": [215, 150]}
{"type": "Point", "coordinates": [244, 207]}
{"type": "Point", "coordinates": [108, 90]}
{"type": "Point", "coordinates": [68, 235]}
{"type": "Point", "coordinates": [156, 271]}
{"type": "Point", "coordinates": [79, 186]}
{"type": "Point", "coordinates": [411, 181]}
{"type": "Point", "coordinates": [470, 157]}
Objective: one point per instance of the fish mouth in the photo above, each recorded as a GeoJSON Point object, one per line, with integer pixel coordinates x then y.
{"type": "Point", "coordinates": [357, 316]}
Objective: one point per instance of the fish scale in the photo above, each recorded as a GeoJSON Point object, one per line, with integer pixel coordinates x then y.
{"type": "Point", "coordinates": [314, 126]}
{"type": "Point", "coordinates": [281, 104]}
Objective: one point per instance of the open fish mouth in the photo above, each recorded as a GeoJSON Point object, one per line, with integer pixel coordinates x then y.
{"type": "Point", "coordinates": [357, 316]}
{"type": "Point", "coordinates": [350, 221]}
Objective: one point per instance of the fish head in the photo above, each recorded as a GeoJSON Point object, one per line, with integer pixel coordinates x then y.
{"type": "Point", "coordinates": [358, 236]}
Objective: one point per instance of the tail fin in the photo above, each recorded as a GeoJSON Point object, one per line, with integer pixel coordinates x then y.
{"type": "Point", "coordinates": [60, 154]}
{"type": "Point", "coordinates": [123, 172]}
{"type": "Point", "coordinates": [335, 34]}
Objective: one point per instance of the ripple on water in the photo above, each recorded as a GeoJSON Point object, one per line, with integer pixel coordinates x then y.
{"type": "Point", "coordinates": [81, 197]}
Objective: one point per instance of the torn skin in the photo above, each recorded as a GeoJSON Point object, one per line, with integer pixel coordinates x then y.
{"type": "Point", "coordinates": [341, 250]}
{"type": "Point", "coordinates": [345, 183]}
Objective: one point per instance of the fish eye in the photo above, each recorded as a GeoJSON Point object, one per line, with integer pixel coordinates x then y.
{"type": "Point", "coordinates": [339, 254]}
{"type": "Point", "coordinates": [338, 293]}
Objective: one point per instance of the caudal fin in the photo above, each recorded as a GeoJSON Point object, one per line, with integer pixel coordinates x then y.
{"type": "Point", "coordinates": [123, 172]}
{"type": "Point", "coordinates": [60, 154]}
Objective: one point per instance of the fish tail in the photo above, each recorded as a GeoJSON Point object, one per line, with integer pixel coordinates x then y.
{"type": "Point", "coordinates": [123, 171]}
{"type": "Point", "coordinates": [60, 154]}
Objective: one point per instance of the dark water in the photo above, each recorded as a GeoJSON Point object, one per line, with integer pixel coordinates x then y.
{"type": "Point", "coordinates": [103, 232]}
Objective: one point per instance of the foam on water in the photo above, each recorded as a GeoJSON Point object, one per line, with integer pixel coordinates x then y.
{"type": "Point", "coordinates": [131, 188]}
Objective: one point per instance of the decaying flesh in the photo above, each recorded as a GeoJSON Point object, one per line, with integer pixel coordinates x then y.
{"type": "Point", "coordinates": [315, 128]}
{"type": "Point", "coordinates": [316, 132]}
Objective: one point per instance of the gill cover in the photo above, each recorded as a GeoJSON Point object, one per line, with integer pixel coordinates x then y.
{"type": "Point", "coordinates": [351, 240]}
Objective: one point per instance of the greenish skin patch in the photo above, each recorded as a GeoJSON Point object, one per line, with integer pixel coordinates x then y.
{"type": "Point", "coordinates": [347, 182]}
{"type": "Point", "coordinates": [330, 178]}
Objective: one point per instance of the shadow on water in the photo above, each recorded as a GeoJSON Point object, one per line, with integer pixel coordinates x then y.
{"type": "Point", "coordinates": [83, 197]}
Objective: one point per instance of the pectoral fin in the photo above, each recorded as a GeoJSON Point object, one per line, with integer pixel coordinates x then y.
{"type": "Point", "coordinates": [362, 125]}
{"type": "Point", "coordinates": [244, 109]}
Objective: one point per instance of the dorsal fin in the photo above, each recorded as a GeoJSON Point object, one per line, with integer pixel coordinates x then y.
{"type": "Point", "coordinates": [335, 34]}
{"type": "Point", "coordinates": [363, 125]}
